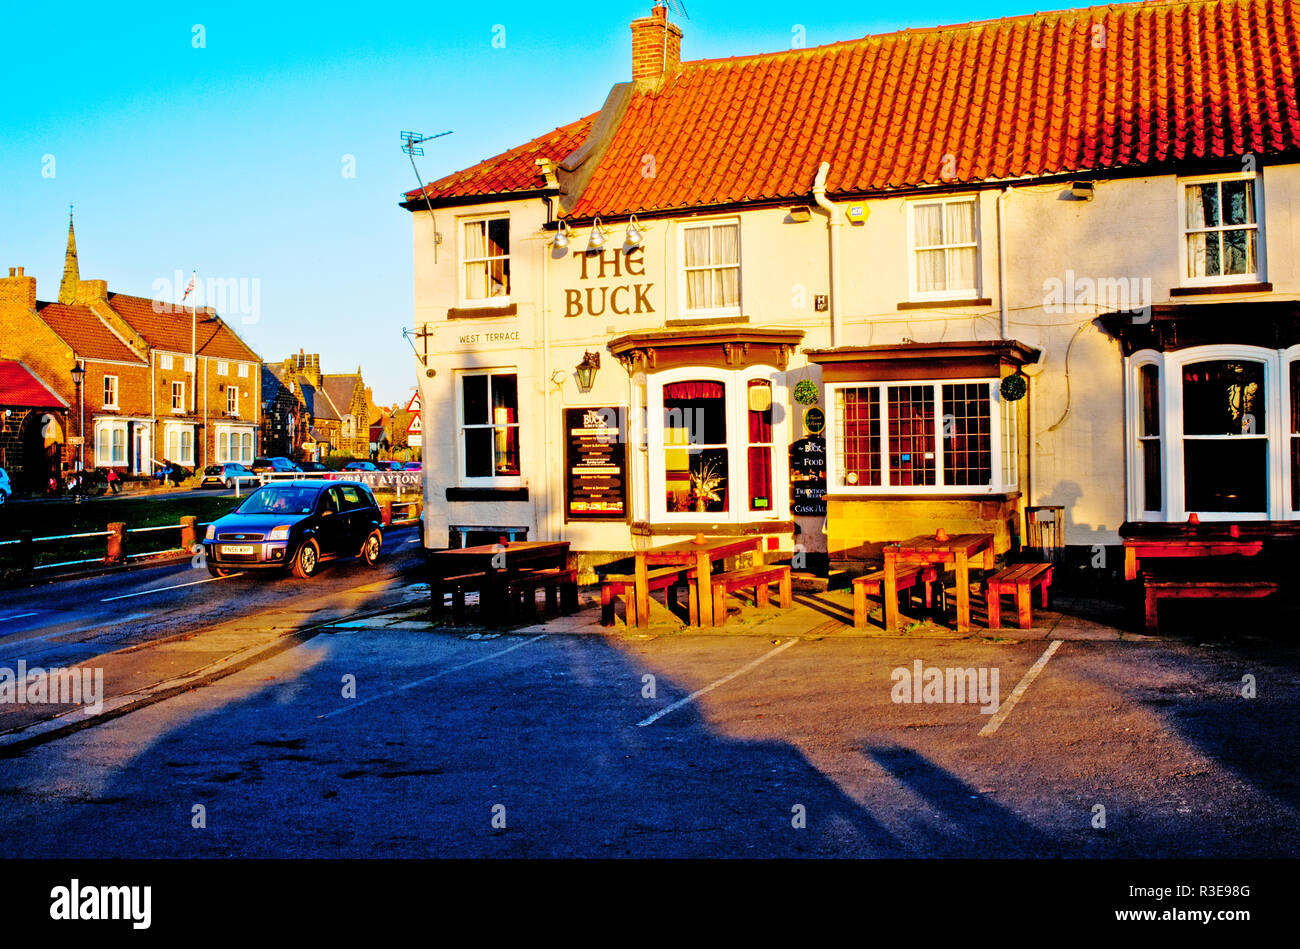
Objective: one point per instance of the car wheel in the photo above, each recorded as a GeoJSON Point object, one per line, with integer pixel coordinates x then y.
{"type": "Point", "coordinates": [306, 560]}
{"type": "Point", "coordinates": [217, 571]}
{"type": "Point", "coordinates": [230, 484]}
{"type": "Point", "coordinates": [371, 548]}
{"type": "Point", "coordinates": [2, 497]}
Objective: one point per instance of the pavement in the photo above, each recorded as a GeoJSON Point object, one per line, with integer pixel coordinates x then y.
{"type": "Point", "coordinates": [784, 736]}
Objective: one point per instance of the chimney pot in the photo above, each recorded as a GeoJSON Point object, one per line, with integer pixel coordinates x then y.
{"type": "Point", "coordinates": [20, 271]}
{"type": "Point", "coordinates": [11, 271]}
{"type": "Point", "coordinates": [656, 45]}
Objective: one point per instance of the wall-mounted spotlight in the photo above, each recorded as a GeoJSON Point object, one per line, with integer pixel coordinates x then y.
{"type": "Point", "coordinates": [1082, 190]}
{"type": "Point", "coordinates": [634, 235]}
{"type": "Point", "coordinates": [586, 371]}
{"type": "Point", "coordinates": [561, 238]}
{"type": "Point", "coordinates": [800, 214]}
{"type": "Point", "coordinates": [597, 240]}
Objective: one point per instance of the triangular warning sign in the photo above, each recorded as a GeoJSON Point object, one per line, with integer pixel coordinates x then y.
{"type": "Point", "coordinates": [414, 404]}
{"type": "Point", "coordinates": [415, 428]}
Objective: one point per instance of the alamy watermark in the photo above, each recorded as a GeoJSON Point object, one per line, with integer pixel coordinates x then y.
{"type": "Point", "coordinates": [931, 685]}
{"type": "Point", "coordinates": [1084, 294]}
{"type": "Point", "coordinates": [227, 296]}
{"type": "Point", "coordinates": [37, 686]}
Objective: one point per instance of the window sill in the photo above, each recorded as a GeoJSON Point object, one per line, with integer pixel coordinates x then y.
{"type": "Point", "coordinates": [943, 304]}
{"type": "Point", "coordinates": [705, 320]}
{"type": "Point", "coordinates": [1222, 288]}
{"type": "Point", "coordinates": [487, 494]}
{"type": "Point", "coordinates": [482, 312]}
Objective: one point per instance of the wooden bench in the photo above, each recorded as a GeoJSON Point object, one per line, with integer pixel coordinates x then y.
{"type": "Point", "coordinates": [624, 585]}
{"type": "Point", "coordinates": [457, 586]}
{"type": "Point", "coordinates": [560, 585]}
{"type": "Point", "coordinates": [1161, 587]}
{"type": "Point", "coordinates": [1019, 580]}
{"type": "Point", "coordinates": [756, 578]}
{"type": "Point", "coordinates": [872, 584]}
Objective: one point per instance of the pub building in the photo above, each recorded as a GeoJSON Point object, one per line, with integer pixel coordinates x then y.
{"type": "Point", "coordinates": [843, 295]}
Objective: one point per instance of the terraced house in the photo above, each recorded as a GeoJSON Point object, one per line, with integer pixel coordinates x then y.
{"type": "Point", "coordinates": [146, 381]}
{"type": "Point", "coordinates": [837, 295]}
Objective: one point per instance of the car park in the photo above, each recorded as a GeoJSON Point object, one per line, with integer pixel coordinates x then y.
{"type": "Point", "coordinates": [296, 525]}
{"type": "Point", "coordinates": [226, 475]}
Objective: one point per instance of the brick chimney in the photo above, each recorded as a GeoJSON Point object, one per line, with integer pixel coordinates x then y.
{"type": "Point", "coordinates": [17, 291]}
{"type": "Point", "coordinates": [656, 45]}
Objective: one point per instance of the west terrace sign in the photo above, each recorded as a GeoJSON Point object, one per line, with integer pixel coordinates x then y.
{"type": "Point", "coordinates": [623, 298]}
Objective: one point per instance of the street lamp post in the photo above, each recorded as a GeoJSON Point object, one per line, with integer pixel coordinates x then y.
{"type": "Point", "coordinates": [78, 376]}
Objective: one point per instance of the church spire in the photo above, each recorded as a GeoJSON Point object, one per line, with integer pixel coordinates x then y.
{"type": "Point", "coordinates": [70, 286]}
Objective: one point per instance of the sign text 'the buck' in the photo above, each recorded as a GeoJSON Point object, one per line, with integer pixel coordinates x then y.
{"type": "Point", "coordinates": [625, 298]}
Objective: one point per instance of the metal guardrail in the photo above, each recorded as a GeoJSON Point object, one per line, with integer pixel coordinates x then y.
{"type": "Point", "coordinates": [88, 534]}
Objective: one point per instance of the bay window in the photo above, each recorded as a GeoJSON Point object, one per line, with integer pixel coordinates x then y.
{"type": "Point", "coordinates": [715, 453]}
{"type": "Point", "coordinates": [489, 427]}
{"type": "Point", "coordinates": [1212, 430]}
{"type": "Point", "coordinates": [180, 444]}
{"type": "Point", "coordinates": [921, 438]}
{"type": "Point", "coordinates": [235, 445]}
{"type": "Point", "coordinates": [110, 444]}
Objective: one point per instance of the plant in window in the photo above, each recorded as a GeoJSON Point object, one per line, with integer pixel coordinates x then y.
{"type": "Point", "coordinates": [706, 483]}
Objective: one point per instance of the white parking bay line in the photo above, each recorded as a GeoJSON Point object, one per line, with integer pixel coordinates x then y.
{"type": "Point", "coordinates": [429, 678]}
{"type": "Point", "coordinates": [177, 586]}
{"type": "Point", "coordinates": [5, 619]}
{"type": "Point", "coordinates": [1001, 714]}
{"type": "Point", "coordinates": [713, 685]}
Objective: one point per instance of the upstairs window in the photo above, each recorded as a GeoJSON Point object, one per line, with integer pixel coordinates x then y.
{"type": "Point", "coordinates": [711, 267]}
{"type": "Point", "coordinates": [1220, 230]}
{"type": "Point", "coordinates": [178, 397]}
{"type": "Point", "coordinates": [486, 259]}
{"type": "Point", "coordinates": [232, 400]}
{"type": "Point", "coordinates": [945, 249]}
{"type": "Point", "coordinates": [110, 392]}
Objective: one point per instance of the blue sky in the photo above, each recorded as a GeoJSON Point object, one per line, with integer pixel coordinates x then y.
{"type": "Point", "coordinates": [229, 158]}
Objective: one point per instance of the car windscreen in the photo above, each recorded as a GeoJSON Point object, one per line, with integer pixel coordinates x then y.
{"type": "Point", "coordinates": [274, 499]}
{"type": "Point", "coordinates": [212, 470]}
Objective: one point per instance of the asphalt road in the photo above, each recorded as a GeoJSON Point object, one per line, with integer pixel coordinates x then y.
{"type": "Point", "coordinates": [529, 745]}
{"type": "Point", "coordinates": [64, 622]}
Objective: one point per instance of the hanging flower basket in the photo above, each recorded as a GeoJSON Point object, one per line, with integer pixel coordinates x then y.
{"type": "Point", "coordinates": [1014, 387]}
{"type": "Point", "coordinates": [805, 392]}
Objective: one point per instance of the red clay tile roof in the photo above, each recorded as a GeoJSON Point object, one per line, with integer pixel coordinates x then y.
{"type": "Point", "coordinates": [86, 333]}
{"type": "Point", "coordinates": [170, 331]}
{"type": "Point", "coordinates": [515, 170]}
{"type": "Point", "coordinates": [1119, 86]}
{"type": "Point", "coordinates": [19, 386]}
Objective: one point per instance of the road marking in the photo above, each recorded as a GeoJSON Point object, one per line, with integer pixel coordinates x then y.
{"type": "Point", "coordinates": [6, 619]}
{"type": "Point", "coordinates": [437, 675]}
{"type": "Point", "coordinates": [192, 583]}
{"type": "Point", "coordinates": [1001, 714]}
{"type": "Point", "coordinates": [709, 688]}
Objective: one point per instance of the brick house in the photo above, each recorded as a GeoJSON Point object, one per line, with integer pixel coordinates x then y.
{"type": "Point", "coordinates": [160, 383]}
{"type": "Point", "coordinates": [326, 413]}
{"type": "Point", "coordinates": [33, 419]}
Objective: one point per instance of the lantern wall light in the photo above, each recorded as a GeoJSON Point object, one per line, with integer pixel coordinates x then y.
{"type": "Point", "coordinates": [586, 371]}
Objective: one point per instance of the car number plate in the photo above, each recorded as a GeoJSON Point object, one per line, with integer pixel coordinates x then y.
{"type": "Point", "coordinates": [236, 548]}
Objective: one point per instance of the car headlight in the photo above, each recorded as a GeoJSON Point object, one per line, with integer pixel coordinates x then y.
{"type": "Point", "coordinates": [279, 533]}
{"type": "Point", "coordinates": [212, 532]}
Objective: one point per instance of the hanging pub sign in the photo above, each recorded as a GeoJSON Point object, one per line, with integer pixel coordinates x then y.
{"type": "Point", "coordinates": [808, 477]}
{"type": "Point", "coordinates": [594, 462]}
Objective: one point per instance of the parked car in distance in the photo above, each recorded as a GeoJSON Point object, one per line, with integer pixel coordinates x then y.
{"type": "Point", "coordinates": [296, 524]}
{"type": "Point", "coordinates": [6, 488]}
{"type": "Point", "coordinates": [274, 465]}
{"type": "Point", "coordinates": [311, 466]}
{"type": "Point", "coordinates": [226, 475]}
{"type": "Point", "coordinates": [360, 466]}
{"type": "Point", "coordinates": [388, 465]}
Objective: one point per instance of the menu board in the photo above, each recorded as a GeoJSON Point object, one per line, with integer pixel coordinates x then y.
{"type": "Point", "coordinates": [595, 470]}
{"type": "Point", "coordinates": [808, 477]}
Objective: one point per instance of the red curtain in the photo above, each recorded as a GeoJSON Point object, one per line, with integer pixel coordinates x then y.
{"type": "Point", "coordinates": [693, 390]}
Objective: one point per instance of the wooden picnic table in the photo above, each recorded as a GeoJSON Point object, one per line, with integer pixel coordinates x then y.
{"type": "Point", "coordinates": [493, 565]}
{"type": "Point", "coordinates": [923, 549]}
{"type": "Point", "coordinates": [688, 554]}
{"type": "Point", "coordinates": [1161, 540]}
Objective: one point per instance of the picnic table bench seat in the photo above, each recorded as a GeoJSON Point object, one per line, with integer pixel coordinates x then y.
{"type": "Point", "coordinates": [758, 578]}
{"type": "Point", "coordinates": [905, 579]}
{"type": "Point", "coordinates": [624, 585]}
{"type": "Point", "coordinates": [1234, 580]}
{"type": "Point", "coordinates": [1019, 581]}
{"type": "Point", "coordinates": [560, 584]}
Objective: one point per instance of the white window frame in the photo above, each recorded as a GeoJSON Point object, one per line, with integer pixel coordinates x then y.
{"type": "Point", "coordinates": [111, 426]}
{"type": "Point", "coordinates": [223, 368]}
{"type": "Point", "coordinates": [232, 400]}
{"type": "Point", "coordinates": [1257, 180]}
{"type": "Point", "coordinates": [181, 390]}
{"type": "Point", "coordinates": [915, 294]}
{"type": "Point", "coordinates": [113, 402]}
{"type": "Point", "coordinates": [243, 370]}
{"type": "Point", "coordinates": [462, 260]}
{"type": "Point", "coordinates": [735, 385]}
{"type": "Point", "coordinates": [225, 433]}
{"type": "Point", "coordinates": [164, 360]}
{"type": "Point", "coordinates": [179, 456]}
{"type": "Point", "coordinates": [493, 480]}
{"type": "Point", "coordinates": [682, 305]}
{"type": "Point", "coordinates": [1277, 407]}
{"type": "Point", "coordinates": [998, 418]}
{"type": "Point", "coordinates": [189, 363]}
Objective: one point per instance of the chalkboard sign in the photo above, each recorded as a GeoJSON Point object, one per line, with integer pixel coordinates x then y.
{"type": "Point", "coordinates": [595, 471]}
{"type": "Point", "coordinates": [808, 477]}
